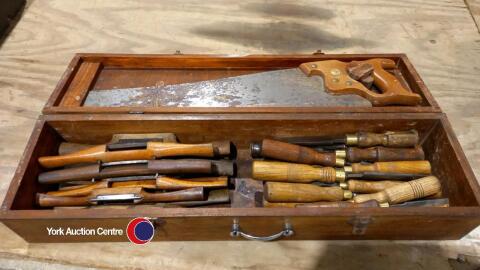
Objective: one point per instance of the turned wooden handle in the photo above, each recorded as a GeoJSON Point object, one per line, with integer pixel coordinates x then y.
{"type": "Point", "coordinates": [380, 153]}
{"type": "Point", "coordinates": [342, 204]}
{"type": "Point", "coordinates": [291, 172]}
{"type": "Point", "coordinates": [150, 184]}
{"type": "Point", "coordinates": [169, 183]}
{"type": "Point", "coordinates": [44, 200]}
{"type": "Point", "coordinates": [214, 149]}
{"type": "Point", "coordinates": [94, 154]}
{"type": "Point", "coordinates": [191, 194]}
{"type": "Point", "coordinates": [290, 192]}
{"type": "Point", "coordinates": [154, 149]}
{"type": "Point", "coordinates": [80, 191]}
{"type": "Point", "coordinates": [416, 167]}
{"type": "Point", "coordinates": [406, 191]}
{"type": "Point", "coordinates": [388, 139]}
{"type": "Point", "coordinates": [359, 186]}
{"type": "Point", "coordinates": [293, 153]}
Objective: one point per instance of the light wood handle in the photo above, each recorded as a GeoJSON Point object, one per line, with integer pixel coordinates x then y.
{"type": "Point", "coordinates": [169, 183]}
{"type": "Point", "coordinates": [289, 192]}
{"type": "Point", "coordinates": [214, 149]}
{"type": "Point", "coordinates": [342, 204]}
{"type": "Point", "coordinates": [80, 191]}
{"type": "Point", "coordinates": [293, 153]}
{"type": "Point", "coordinates": [94, 154]}
{"type": "Point", "coordinates": [150, 184]}
{"type": "Point", "coordinates": [406, 191]}
{"type": "Point", "coordinates": [416, 167]}
{"type": "Point", "coordinates": [291, 172]}
{"type": "Point", "coordinates": [359, 186]}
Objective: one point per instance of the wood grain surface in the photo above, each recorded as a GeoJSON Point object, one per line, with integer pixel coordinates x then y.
{"type": "Point", "coordinates": [440, 38]}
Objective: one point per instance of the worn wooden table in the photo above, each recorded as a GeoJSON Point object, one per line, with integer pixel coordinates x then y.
{"type": "Point", "coordinates": [440, 37]}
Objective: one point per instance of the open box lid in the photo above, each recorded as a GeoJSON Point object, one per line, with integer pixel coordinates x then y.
{"type": "Point", "coordinates": [100, 83]}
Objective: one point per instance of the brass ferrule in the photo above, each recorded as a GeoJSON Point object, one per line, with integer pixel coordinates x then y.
{"type": "Point", "coordinates": [351, 139]}
{"type": "Point", "coordinates": [340, 154]}
{"type": "Point", "coordinates": [339, 162]}
{"type": "Point", "coordinates": [385, 204]}
{"type": "Point", "coordinates": [343, 185]}
{"type": "Point", "coordinates": [347, 195]}
{"type": "Point", "coordinates": [340, 175]}
{"type": "Point", "coordinates": [348, 169]}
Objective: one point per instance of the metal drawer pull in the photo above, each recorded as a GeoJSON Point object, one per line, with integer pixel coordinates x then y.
{"type": "Point", "coordinates": [236, 231]}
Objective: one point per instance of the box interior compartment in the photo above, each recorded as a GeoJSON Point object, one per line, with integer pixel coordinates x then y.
{"type": "Point", "coordinates": [435, 140]}
{"type": "Point", "coordinates": [99, 72]}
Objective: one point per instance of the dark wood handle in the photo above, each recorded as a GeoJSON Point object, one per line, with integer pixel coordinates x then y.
{"type": "Point", "coordinates": [416, 167]}
{"type": "Point", "coordinates": [181, 166]}
{"type": "Point", "coordinates": [191, 194]}
{"type": "Point", "coordinates": [289, 192]}
{"type": "Point", "coordinates": [388, 139]}
{"type": "Point", "coordinates": [291, 172]}
{"type": "Point", "coordinates": [380, 153]}
{"type": "Point", "coordinates": [291, 152]}
{"type": "Point", "coordinates": [44, 200]}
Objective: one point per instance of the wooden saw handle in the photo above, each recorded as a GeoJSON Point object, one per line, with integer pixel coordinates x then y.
{"type": "Point", "coordinates": [338, 82]}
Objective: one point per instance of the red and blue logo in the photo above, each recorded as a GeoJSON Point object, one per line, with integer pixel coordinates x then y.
{"type": "Point", "coordinates": [140, 231]}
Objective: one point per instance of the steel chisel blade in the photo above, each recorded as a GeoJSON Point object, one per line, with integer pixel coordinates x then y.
{"type": "Point", "coordinates": [280, 88]}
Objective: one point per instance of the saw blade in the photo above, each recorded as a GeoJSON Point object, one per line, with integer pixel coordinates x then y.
{"type": "Point", "coordinates": [280, 88]}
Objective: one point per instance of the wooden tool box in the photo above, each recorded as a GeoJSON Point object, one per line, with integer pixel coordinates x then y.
{"type": "Point", "coordinates": [65, 119]}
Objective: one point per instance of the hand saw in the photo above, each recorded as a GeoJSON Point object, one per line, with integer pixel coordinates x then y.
{"type": "Point", "coordinates": [278, 88]}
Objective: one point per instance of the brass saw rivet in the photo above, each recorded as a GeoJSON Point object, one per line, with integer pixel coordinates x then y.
{"type": "Point", "coordinates": [313, 66]}
{"type": "Point", "coordinates": [335, 72]}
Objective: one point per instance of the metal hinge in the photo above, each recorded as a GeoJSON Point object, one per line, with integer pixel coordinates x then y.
{"type": "Point", "coordinates": [360, 224]}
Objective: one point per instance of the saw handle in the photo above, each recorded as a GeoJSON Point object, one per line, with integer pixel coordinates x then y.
{"type": "Point", "coordinates": [338, 82]}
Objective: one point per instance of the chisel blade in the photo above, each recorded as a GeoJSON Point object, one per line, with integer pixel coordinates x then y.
{"type": "Point", "coordinates": [279, 88]}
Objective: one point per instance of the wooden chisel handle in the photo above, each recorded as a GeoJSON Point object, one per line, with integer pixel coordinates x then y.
{"type": "Point", "coordinates": [407, 191]}
{"type": "Point", "coordinates": [380, 153]}
{"type": "Point", "coordinates": [169, 183]}
{"type": "Point", "coordinates": [80, 191]}
{"type": "Point", "coordinates": [93, 155]}
{"type": "Point", "coordinates": [359, 186]}
{"type": "Point", "coordinates": [289, 192]}
{"type": "Point", "coordinates": [45, 200]}
{"type": "Point", "coordinates": [293, 153]}
{"type": "Point", "coordinates": [214, 149]}
{"type": "Point", "coordinates": [341, 204]}
{"type": "Point", "coordinates": [416, 167]}
{"type": "Point", "coordinates": [153, 150]}
{"type": "Point", "coordinates": [191, 194]}
{"type": "Point", "coordinates": [291, 172]}
{"type": "Point", "coordinates": [388, 139]}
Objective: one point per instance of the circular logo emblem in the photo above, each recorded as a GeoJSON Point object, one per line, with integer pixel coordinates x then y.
{"type": "Point", "coordinates": [140, 231]}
